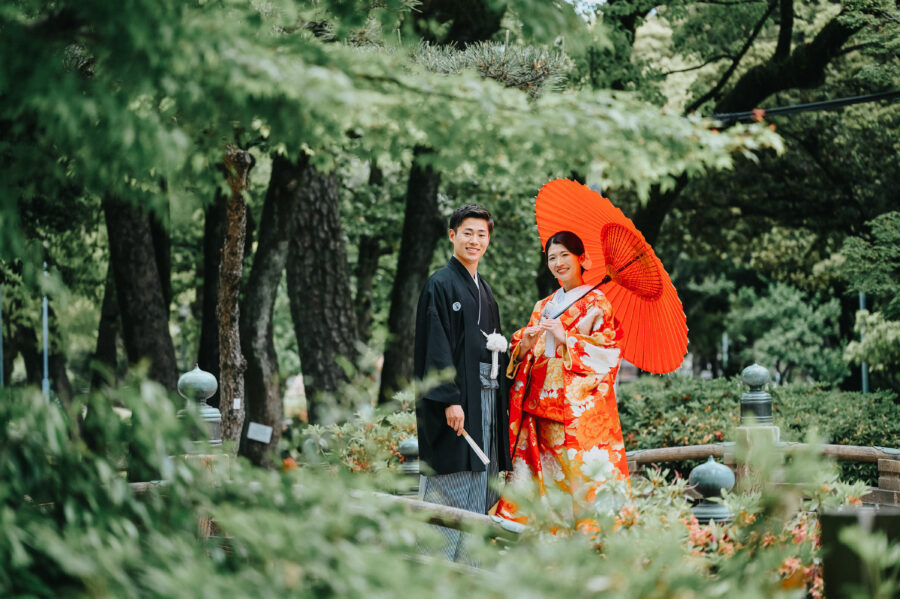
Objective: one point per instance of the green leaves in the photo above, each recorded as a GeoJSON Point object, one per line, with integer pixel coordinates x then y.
{"type": "Point", "coordinates": [872, 262]}
{"type": "Point", "coordinates": [134, 97]}
{"type": "Point", "coordinates": [790, 332]}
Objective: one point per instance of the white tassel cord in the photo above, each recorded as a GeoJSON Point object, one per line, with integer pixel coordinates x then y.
{"type": "Point", "coordinates": [496, 343]}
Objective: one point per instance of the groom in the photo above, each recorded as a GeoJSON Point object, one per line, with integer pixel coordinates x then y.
{"type": "Point", "coordinates": [456, 312]}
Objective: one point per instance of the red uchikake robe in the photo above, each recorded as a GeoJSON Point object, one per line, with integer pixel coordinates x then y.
{"type": "Point", "coordinates": [563, 420]}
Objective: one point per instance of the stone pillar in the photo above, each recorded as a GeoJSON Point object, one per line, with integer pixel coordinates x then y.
{"type": "Point", "coordinates": [409, 449]}
{"type": "Point", "coordinates": [199, 385]}
{"type": "Point", "coordinates": [756, 426]}
{"type": "Point", "coordinates": [710, 479]}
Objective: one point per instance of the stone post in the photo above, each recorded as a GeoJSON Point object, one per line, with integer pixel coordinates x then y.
{"type": "Point", "coordinates": [710, 479]}
{"type": "Point", "coordinates": [756, 406]}
{"type": "Point", "coordinates": [756, 426]}
{"type": "Point", "coordinates": [199, 385]}
{"type": "Point", "coordinates": [409, 449]}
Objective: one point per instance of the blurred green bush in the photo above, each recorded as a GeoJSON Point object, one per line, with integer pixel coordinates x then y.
{"type": "Point", "coordinates": [71, 525]}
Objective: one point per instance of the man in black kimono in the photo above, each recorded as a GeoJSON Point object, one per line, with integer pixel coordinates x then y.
{"type": "Point", "coordinates": [456, 312]}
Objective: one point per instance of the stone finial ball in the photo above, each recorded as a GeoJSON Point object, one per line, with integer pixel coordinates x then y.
{"type": "Point", "coordinates": [711, 477]}
{"type": "Point", "coordinates": [755, 376]}
{"type": "Point", "coordinates": [197, 384]}
{"type": "Point", "coordinates": [409, 447]}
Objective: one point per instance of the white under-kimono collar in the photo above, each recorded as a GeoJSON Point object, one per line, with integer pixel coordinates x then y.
{"type": "Point", "coordinates": [555, 307]}
{"type": "Point", "coordinates": [561, 299]}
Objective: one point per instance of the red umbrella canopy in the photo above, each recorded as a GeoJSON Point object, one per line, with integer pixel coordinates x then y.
{"type": "Point", "coordinates": [644, 300]}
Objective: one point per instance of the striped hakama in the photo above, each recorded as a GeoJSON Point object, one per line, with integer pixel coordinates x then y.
{"type": "Point", "coordinates": [468, 490]}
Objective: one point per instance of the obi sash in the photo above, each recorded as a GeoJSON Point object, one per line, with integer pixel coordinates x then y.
{"type": "Point", "coordinates": [548, 404]}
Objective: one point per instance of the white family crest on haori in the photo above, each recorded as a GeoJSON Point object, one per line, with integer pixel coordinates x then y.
{"type": "Point", "coordinates": [496, 343]}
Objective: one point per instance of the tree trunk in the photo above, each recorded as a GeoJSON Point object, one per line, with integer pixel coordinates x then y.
{"type": "Point", "coordinates": [162, 250]}
{"type": "Point", "coordinates": [145, 315]}
{"type": "Point", "coordinates": [213, 240]}
{"type": "Point", "coordinates": [105, 363]}
{"type": "Point", "coordinates": [805, 67]}
{"type": "Point", "coordinates": [649, 217]}
{"type": "Point", "coordinates": [231, 362]}
{"type": "Point", "coordinates": [60, 378]}
{"type": "Point", "coordinates": [370, 250]}
{"type": "Point", "coordinates": [423, 227]}
{"type": "Point", "coordinates": [263, 389]}
{"type": "Point", "coordinates": [319, 288]}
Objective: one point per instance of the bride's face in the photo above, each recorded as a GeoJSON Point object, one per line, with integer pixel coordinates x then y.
{"type": "Point", "coordinates": [564, 265]}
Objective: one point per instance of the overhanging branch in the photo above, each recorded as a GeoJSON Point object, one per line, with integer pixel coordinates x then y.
{"type": "Point", "coordinates": [734, 63]}
{"type": "Point", "coordinates": [805, 67]}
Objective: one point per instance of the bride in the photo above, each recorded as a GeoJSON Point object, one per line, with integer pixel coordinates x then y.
{"type": "Point", "coordinates": [564, 423]}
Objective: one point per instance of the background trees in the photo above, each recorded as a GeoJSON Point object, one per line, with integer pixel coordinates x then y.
{"type": "Point", "coordinates": [115, 123]}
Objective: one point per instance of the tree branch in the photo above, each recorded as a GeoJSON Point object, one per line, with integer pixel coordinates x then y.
{"type": "Point", "coordinates": [783, 49]}
{"type": "Point", "coordinates": [834, 177]}
{"type": "Point", "coordinates": [716, 58]}
{"type": "Point", "coordinates": [887, 15]}
{"type": "Point", "coordinates": [734, 63]}
{"type": "Point", "coordinates": [849, 49]}
{"type": "Point", "coordinates": [805, 67]}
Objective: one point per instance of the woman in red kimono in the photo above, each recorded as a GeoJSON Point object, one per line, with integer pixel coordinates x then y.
{"type": "Point", "coordinates": [563, 423]}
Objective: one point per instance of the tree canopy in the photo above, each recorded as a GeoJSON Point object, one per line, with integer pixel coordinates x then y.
{"type": "Point", "coordinates": [136, 105]}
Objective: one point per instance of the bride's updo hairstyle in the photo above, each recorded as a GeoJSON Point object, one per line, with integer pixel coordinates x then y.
{"type": "Point", "coordinates": [568, 240]}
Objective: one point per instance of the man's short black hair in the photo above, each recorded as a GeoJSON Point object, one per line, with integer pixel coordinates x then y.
{"type": "Point", "coordinates": [471, 211]}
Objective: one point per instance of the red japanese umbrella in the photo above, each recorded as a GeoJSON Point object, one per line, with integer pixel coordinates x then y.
{"type": "Point", "coordinates": [627, 270]}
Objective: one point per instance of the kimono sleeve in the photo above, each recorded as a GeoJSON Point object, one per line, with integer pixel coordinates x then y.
{"type": "Point", "coordinates": [515, 359]}
{"type": "Point", "coordinates": [434, 350]}
{"type": "Point", "coordinates": [592, 344]}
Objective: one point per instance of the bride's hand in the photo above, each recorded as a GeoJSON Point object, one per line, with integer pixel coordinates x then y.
{"type": "Point", "coordinates": [529, 337]}
{"type": "Point", "coordinates": [555, 328]}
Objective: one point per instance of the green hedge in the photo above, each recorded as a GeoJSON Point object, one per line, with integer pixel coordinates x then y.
{"type": "Point", "coordinates": [673, 411]}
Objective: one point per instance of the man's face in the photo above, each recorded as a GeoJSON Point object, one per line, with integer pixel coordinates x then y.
{"type": "Point", "coordinates": [470, 240]}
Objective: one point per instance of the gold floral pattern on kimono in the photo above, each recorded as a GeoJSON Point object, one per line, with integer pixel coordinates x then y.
{"type": "Point", "coordinates": [564, 422]}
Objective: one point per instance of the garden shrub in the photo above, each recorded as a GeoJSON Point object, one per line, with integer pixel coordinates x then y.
{"type": "Point", "coordinates": [366, 443]}
{"type": "Point", "coordinates": [842, 418]}
{"type": "Point", "coordinates": [70, 524]}
{"type": "Point", "coordinates": [673, 411]}
{"type": "Point", "coordinates": [656, 411]}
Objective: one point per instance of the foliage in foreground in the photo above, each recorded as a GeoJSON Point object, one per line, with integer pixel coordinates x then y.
{"type": "Point", "coordinates": [71, 525]}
